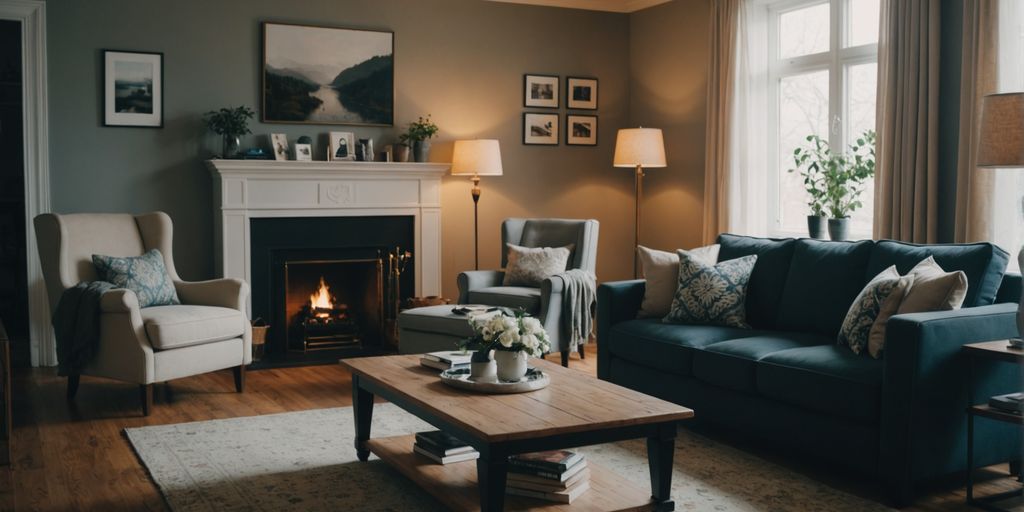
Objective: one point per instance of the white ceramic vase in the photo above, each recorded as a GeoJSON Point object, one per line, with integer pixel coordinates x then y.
{"type": "Point", "coordinates": [511, 365]}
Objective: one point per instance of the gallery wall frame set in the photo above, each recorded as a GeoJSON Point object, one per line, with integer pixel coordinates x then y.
{"type": "Point", "coordinates": [133, 88]}
{"type": "Point", "coordinates": [580, 130]}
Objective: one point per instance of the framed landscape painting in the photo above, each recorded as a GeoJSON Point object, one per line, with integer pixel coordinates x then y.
{"type": "Point", "coordinates": [327, 75]}
{"type": "Point", "coordinates": [133, 93]}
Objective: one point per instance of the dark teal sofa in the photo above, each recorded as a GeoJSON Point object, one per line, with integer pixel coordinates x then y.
{"type": "Point", "coordinates": [900, 419]}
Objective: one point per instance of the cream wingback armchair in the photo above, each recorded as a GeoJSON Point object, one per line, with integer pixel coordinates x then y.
{"type": "Point", "coordinates": [209, 331]}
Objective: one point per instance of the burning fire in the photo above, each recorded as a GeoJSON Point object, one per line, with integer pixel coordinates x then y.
{"type": "Point", "coordinates": [320, 302]}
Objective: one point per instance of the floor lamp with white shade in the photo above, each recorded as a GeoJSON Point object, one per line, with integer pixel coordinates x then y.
{"type": "Point", "coordinates": [1001, 145]}
{"type": "Point", "coordinates": [639, 148]}
{"type": "Point", "coordinates": [476, 158]}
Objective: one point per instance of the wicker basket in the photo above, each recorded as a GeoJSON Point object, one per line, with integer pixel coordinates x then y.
{"type": "Point", "coordinates": [259, 340]}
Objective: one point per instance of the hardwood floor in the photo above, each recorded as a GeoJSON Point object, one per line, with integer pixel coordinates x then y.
{"type": "Point", "coordinates": [75, 457]}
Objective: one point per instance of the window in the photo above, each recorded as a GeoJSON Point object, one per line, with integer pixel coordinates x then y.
{"type": "Point", "coordinates": [822, 73]}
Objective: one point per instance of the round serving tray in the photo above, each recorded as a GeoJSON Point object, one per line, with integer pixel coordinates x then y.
{"type": "Point", "coordinates": [534, 380]}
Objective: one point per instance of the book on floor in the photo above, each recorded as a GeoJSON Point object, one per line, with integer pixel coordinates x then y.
{"type": "Point", "coordinates": [446, 360]}
{"type": "Point", "coordinates": [567, 496]}
{"type": "Point", "coordinates": [448, 459]}
{"type": "Point", "coordinates": [546, 485]}
{"type": "Point", "coordinates": [554, 461]}
{"type": "Point", "coordinates": [441, 443]}
{"type": "Point", "coordinates": [547, 476]}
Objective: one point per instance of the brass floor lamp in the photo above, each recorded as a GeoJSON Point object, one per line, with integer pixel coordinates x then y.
{"type": "Point", "coordinates": [476, 158]}
{"type": "Point", "coordinates": [639, 148]}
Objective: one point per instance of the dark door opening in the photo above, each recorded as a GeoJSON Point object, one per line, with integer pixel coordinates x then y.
{"type": "Point", "coordinates": [13, 259]}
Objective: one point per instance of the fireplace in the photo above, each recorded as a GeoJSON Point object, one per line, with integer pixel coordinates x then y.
{"type": "Point", "coordinates": [334, 304]}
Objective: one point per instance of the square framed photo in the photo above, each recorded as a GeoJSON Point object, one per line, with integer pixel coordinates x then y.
{"type": "Point", "coordinates": [580, 130]}
{"type": "Point", "coordinates": [540, 91]}
{"type": "Point", "coordinates": [327, 75]}
{"type": "Point", "coordinates": [304, 152]}
{"type": "Point", "coordinates": [581, 93]}
{"type": "Point", "coordinates": [540, 129]}
{"type": "Point", "coordinates": [279, 143]}
{"type": "Point", "coordinates": [133, 89]}
{"type": "Point", "coordinates": [342, 146]}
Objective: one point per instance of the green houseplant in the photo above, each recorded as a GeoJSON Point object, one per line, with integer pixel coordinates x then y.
{"type": "Point", "coordinates": [419, 134]}
{"type": "Point", "coordinates": [835, 181]}
{"type": "Point", "coordinates": [231, 124]}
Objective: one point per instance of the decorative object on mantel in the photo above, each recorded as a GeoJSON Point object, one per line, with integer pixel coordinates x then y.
{"type": "Point", "coordinates": [279, 144]}
{"type": "Point", "coordinates": [419, 133]}
{"type": "Point", "coordinates": [540, 91]}
{"type": "Point", "coordinates": [327, 75]}
{"type": "Point", "coordinates": [304, 149]}
{"type": "Point", "coordinates": [133, 92]}
{"type": "Point", "coordinates": [581, 93]}
{"type": "Point", "coordinates": [364, 150]}
{"type": "Point", "coordinates": [231, 124]}
{"type": "Point", "coordinates": [835, 181]}
{"type": "Point", "coordinates": [400, 152]}
{"type": "Point", "coordinates": [513, 336]}
{"type": "Point", "coordinates": [639, 148]}
{"type": "Point", "coordinates": [476, 158]}
{"type": "Point", "coordinates": [1002, 146]}
{"type": "Point", "coordinates": [540, 129]}
{"type": "Point", "coordinates": [342, 146]}
{"type": "Point", "coordinates": [580, 130]}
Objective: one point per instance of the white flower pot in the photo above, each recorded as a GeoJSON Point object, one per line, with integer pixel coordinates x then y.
{"type": "Point", "coordinates": [483, 372]}
{"type": "Point", "coordinates": [511, 365]}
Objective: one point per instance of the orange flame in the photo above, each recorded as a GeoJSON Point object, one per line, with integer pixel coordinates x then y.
{"type": "Point", "coordinates": [322, 298]}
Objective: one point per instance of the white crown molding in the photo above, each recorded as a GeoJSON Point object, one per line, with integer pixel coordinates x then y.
{"type": "Point", "coordinates": [621, 6]}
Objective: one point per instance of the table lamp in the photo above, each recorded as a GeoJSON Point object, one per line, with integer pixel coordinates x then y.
{"type": "Point", "coordinates": [476, 158]}
{"type": "Point", "coordinates": [638, 148]}
{"type": "Point", "coordinates": [1002, 145]}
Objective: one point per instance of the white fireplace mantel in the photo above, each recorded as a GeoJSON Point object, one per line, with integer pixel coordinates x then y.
{"type": "Point", "coordinates": [246, 189]}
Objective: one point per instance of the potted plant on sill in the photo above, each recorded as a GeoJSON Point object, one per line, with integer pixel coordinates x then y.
{"type": "Point", "coordinates": [513, 336]}
{"type": "Point", "coordinates": [835, 181]}
{"type": "Point", "coordinates": [419, 134]}
{"type": "Point", "coordinates": [231, 124]}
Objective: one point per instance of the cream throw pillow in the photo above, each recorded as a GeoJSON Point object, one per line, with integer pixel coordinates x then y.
{"type": "Point", "coordinates": [882, 293]}
{"type": "Point", "coordinates": [661, 270]}
{"type": "Point", "coordinates": [529, 266]}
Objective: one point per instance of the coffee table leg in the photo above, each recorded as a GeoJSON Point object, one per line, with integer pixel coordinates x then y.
{"type": "Point", "coordinates": [490, 475]}
{"type": "Point", "coordinates": [660, 449]}
{"type": "Point", "coordinates": [362, 407]}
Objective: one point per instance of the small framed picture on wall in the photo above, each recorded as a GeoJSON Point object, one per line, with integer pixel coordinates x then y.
{"type": "Point", "coordinates": [133, 91]}
{"type": "Point", "coordinates": [581, 93]}
{"type": "Point", "coordinates": [580, 130]}
{"type": "Point", "coordinates": [342, 146]}
{"type": "Point", "coordinates": [540, 91]}
{"type": "Point", "coordinates": [540, 129]}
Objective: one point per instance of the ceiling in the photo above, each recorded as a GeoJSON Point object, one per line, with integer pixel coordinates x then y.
{"type": "Point", "coordinates": [592, 5]}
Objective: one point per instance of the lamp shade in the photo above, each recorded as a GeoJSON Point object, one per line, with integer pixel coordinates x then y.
{"type": "Point", "coordinates": [1002, 131]}
{"type": "Point", "coordinates": [479, 157]}
{"type": "Point", "coordinates": [639, 146]}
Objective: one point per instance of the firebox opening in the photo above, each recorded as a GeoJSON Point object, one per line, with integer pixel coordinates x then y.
{"type": "Point", "coordinates": [334, 304]}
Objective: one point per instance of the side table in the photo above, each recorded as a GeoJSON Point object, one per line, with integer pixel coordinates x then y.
{"type": "Point", "coordinates": [988, 351]}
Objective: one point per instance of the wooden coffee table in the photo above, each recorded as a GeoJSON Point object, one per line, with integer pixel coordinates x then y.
{"type": "Point", "coordinates": [575, 410]}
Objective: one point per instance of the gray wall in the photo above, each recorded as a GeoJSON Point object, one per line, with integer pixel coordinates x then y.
{"type": "Point", "coordinates": [460, 60]}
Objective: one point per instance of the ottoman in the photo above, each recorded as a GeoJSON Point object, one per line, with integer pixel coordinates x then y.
{"type": "Point", "coordinates": [432, 329]}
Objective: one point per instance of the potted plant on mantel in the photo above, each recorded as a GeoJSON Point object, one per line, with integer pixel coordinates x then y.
{"type": "Point", "coordinates": [419, 134]}
{"type": "Point", "coordinates": [231, 124]}
{"type": "Point", "coordinates": [834, 182]}
{"type": "Point", "coordinates": [513, 336]}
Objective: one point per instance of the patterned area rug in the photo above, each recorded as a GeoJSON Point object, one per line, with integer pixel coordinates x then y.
{"type": "Point", "coordinates": [306, 461]}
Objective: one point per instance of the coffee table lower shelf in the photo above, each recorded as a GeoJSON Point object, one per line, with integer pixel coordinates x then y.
{"type": "Point", "coordinates": [455, 485]}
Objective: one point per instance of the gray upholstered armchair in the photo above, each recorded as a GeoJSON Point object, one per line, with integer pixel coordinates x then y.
{"type": "Point", "coordinates": [485, 286]}
{"type": "Point", "coordinates": [209, 331]}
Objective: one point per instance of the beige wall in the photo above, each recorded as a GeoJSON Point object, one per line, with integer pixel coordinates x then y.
{"type": "Point", "coordinates": [668, 82]}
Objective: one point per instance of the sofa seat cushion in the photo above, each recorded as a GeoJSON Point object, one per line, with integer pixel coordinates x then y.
{"type": "Point", "coordinates": [983, 263]}
{"type": "Point", "coordinates": [508, 296]}
{"type": "Point", "coordinates": [768, 277]}
{"type": "Point", "coordinates": [667, 347]}
{"type": "Point", "coordinates": [829, 379]}
{"type": "Point", "coordinates": [824, 278]}
{"type": "Point", "coordinates": [171, 327]}
{"type": "Point", "coordinates": [732, 364]}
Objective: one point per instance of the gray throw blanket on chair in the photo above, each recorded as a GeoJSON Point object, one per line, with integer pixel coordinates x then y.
{"type": "Point", "coordinates": [76, 325]}
{"type": "Point", "coordinates": [578, 299]}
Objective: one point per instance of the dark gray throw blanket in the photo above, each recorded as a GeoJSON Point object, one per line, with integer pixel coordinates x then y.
{"type": "Point", "coordinates": [76, 324]}
{"type": "Point", "coordinates": [578, 300]}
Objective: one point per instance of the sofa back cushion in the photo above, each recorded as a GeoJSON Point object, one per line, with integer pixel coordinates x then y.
{"type": "Point", "coordinates": [824, 278]}
{"type": "Point", "coordinates": [983, 263]}
{"type": "Point", "coordinates": [768, 277]}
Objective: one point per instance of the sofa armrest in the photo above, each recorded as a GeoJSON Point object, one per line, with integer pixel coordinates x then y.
{"type": "Point", "coordinates": [617, 301]}
{"type": "Point", "coordinates": [477, 279]}
{"type": "Point", "coordinates": [924, 392]}
{"type": "Point", "coordinates": [225, 293]}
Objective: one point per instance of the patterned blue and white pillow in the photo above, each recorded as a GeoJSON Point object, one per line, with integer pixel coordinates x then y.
{"type": "Point", "coordinates": [712, 294]}
{"type": "Point", "coordinates": [145, 275]}
{"type": "Point", "coordinates": [884, 291]}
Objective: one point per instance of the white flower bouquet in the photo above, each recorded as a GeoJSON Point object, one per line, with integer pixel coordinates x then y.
{"type": "Point", "coordinates": [508, 331]}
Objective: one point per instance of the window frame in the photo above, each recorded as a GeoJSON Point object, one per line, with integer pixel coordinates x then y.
{"type": "Point", "coordinates": [836, 60]}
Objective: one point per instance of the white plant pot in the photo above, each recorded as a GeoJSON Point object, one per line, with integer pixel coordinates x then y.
{"type": "Point", "coordinates": [511, 365]}
{"type": "Point", "coordinates": [483, 372]}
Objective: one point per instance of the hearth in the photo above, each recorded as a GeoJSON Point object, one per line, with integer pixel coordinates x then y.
{"type": "Point", "coordinates": [346, 313]}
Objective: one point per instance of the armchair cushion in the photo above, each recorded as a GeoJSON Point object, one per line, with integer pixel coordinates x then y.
{"type": "Point", "coordinates": [170, 327]}
{"type": "Point", "coordinates": [145, 275]}
{"type": "Point", "coordinates": [528, 266]}
{"type": "Point", "coordinates": [509, 297]}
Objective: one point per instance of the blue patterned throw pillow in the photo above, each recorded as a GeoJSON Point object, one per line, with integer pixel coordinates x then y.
{"type": "Point", "coordinates": [145, 275]}
{"type": "Point", "coordinates": [711, 294]}
{"type": "Point", "coordinates": [883, 293]}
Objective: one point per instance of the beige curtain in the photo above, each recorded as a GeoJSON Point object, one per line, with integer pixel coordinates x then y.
{"type": "Point", "coordinates": [906, 180]}
{"type": "Point", "coordinates": [721, 76]}
{"type": "Point", "coordinates": [974, 187]}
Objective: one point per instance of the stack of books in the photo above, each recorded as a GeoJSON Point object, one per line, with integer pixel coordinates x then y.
{"type": "Point", "coordinates": [443, 448]}
{"type": "Point", "coordinates": [447, 360]}
{"type": "Point", "coordinates": [560, 476]}
{"type": "Point", "coordinates": [1012, 403]}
